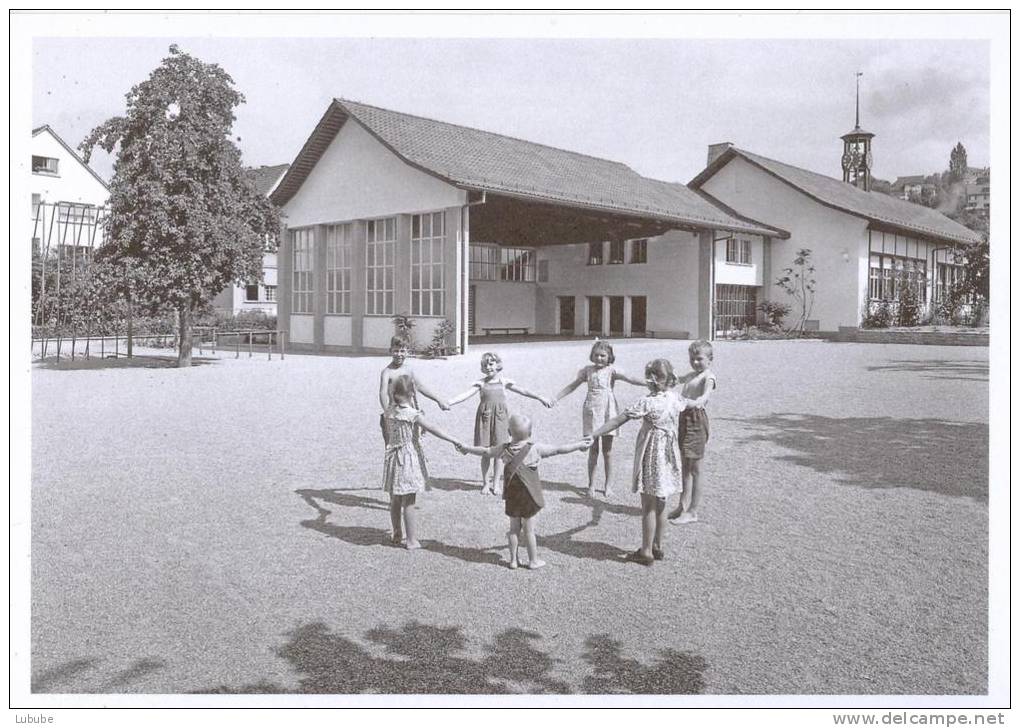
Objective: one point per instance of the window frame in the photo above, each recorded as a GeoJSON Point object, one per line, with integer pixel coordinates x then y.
{"type": "Point", "coordinates": [303, 278]}
{"type": "Point", "coordinates": [379, 276]}
{"type": "Point", "coordinates": [636, 245]}
{"type": "Point", "coordinates": [430, 299]}
{"type": "Point", "coordinates": [617, 252]}
{"type": "Point", "coordinates": [339, 243]}
{"type": "Point", "coordinates": [596, 255]}
{"type": "Point", "coordinates": [46, 168]}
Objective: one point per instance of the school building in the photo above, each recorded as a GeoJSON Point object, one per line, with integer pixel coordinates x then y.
{"type": "Point", "coordinates": [387, 213]}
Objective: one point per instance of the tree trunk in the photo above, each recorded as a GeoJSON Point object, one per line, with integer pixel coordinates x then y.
{"type": "Point", "coordinates": [184, 339]}
{"type": "Point", "coordinates": [130, 329]}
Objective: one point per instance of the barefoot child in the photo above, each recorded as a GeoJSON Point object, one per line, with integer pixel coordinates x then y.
{"type": "Point", "coordinates": [599, 406]}
{"type": "Point", "coordinates": [522, 488]}
{"type": "Point", "coordinates": [398, 367]}
{"type": "Point", "coordinates": [492, 417]}
{"type": "Point", "coordinates": [698, 386]}
{"type": "Point", "coordinates": [657, 465]}
{"type": "Point", "coordinates": [405, 472]}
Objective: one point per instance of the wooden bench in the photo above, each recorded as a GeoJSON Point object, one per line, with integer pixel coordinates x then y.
{"type": "Point", "coordinates": [505, 330]}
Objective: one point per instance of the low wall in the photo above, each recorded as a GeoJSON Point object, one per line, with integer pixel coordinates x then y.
{"type": "Point", "coordinates": [930, 338]}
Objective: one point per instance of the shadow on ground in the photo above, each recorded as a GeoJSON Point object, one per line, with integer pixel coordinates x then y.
{"type": "Point", "coordinates": [420, 658]}
{"type": "Point", "coordinates": [967, 371]}
{"type": "Point", "coordinates": [950, 458]}
{"type": "Point", "coordinates": [80, 363]}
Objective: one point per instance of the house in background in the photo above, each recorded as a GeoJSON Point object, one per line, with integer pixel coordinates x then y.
{"type": "Point", "coordinates": [387, 213]}
{"type": "Point", "coordinates": [255, 295]}
{"type": "Point", "coordinates": [979, 194]}
{"type": "Point", "coordinates": [914, 188]}
{"type": "Point", "coordinates": [68, 197]}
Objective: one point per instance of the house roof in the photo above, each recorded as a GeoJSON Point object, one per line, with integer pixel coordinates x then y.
{"type": "Point", "coordinates": [878, 208]}
{"type": "Point", "coordinates": [910, 179]}
{"type": "Point", "coordinates": [473, 159]}
{"type": "Point", "coordinates": [266, 178]}
{"type": "Point", "coordinates": [46, 127]}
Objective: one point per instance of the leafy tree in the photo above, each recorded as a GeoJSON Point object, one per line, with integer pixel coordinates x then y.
{"type": "Point", "coordinates": [958, 162]}
{"type": "Point", "coordinates": [185, 220]}
{"type": "Point", "coordinates": [799, 283]}
{"type": "Point", "coordinates": [976, 270]}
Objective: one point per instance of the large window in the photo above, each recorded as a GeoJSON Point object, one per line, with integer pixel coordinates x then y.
{"type": "Point", "coordinates": [947, 275]}
{"type": "Point", "coordinates": [270, 293]}
{"type": "Point", "coordinates": [617, 252]}
{"type": "Point", "coordinates": [639, 250]}
{"type": "Point", "coordinates": [428, 291]}
{"type": "Point", "coordinates": [380, 247]}
{"type": "Point", "coordinates": [738, 250]}
{"type": "Point", "coordinates": [889, 273]}
{"type": "Point", "coordinates": [251, 292]}
{"type": "Point", "coordinates": [304, 281]}
{"type": "Point", "coordinates": [495, 263]}
{"type": "Point", "coordinates": [734, 307]}
{"type": "Point", "coordinates": [338, 268]}
{"type": "Point", "coordinates": [595, 255]}
{"type": "Point", "coordinates": [45, 165]}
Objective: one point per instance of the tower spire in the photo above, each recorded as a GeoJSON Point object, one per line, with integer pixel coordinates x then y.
{"type": "Point", "coordinates": [857, 116]}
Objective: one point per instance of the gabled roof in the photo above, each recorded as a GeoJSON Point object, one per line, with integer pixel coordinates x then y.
{"type": "Point", "coordinates": [472, 159]}
{"type": "Point", "coordinates": [910, 179]}
{"type": "Point", "coordinates": [876, 207]}
{"type": "Point", "coordinates": [46, 127]}
{"type": "Point", "coordinates": [266, 178]}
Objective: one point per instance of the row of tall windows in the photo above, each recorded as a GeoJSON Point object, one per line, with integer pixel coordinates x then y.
{"type": "Point", "coordinates": [428, 287]}
{"type": "Point", "coordinates": [618, 252]}
{"type": "Point", "coordinates": [890, 273]}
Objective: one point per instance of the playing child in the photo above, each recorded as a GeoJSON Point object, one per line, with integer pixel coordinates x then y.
{"type": "Point", "coordinates": [599, 406]}
{"type": "Point", "coordinates": [522, 488]}
{"type": "Point", "coordinates": [405, 471]}
{"type": "Point", "coordinates": [657, 463]}
{"type": "Point", "coordinates": [400, 350]}
{"type": "Point", "coordinates": [492, 417]}
{"type": "Point", "coordinates": [698, 386]}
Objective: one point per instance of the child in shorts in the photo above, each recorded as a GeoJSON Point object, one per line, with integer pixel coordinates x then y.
{"type": "Point", "coordinates": [698, 386]}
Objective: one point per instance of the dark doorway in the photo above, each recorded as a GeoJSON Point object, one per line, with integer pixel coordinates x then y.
{"type": "Point", "coordinates": [566, 304]}
{"type": "Point", "coordinates": [616, 315]}
{"type": "Point", "coordinates": [638, 315]}
{"type": "Point", "coordinates": [595, 315]}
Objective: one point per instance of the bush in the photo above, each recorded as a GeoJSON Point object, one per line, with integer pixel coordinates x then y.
{"type": "Point", "coordinates": [908, 312]}
{"type": "Point", "coordinates": [774, 312]}
{"type": "Point", "coordinates": [223, 321]}
{"type": "Point", "coordinates": [439, 343]}
{"type": "Point", "coordinates": [878, 317]}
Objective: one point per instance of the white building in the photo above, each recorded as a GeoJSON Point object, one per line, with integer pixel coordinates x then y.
{"type": "Point", "coordinates": [67, 196]}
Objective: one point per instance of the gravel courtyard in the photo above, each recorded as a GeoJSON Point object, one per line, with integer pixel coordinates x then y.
{"type": "Point", "coordinates": [221, 529]}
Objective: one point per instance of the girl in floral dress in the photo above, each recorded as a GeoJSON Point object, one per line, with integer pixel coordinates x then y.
{"type": "Point", "coordinates": [657, 463]}
{"type": "Point", "coordinates": [599, 406]}
{"type": "Point", "coordinates": [405, 471]}
{"type": "Point", "coordinates": [492, 420]}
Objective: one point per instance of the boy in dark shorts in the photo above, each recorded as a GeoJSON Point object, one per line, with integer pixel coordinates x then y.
{"type": "Point", "coordinates": [400, 350]}
{"type": "Point", "coordinates": [698, 386]}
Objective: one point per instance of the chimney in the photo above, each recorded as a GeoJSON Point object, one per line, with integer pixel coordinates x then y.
{"type": "Point", "coordinates": [714, 150]}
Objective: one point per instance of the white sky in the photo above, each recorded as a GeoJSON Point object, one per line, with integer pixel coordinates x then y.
{"type": "Point", "coordinates": [652, 104]}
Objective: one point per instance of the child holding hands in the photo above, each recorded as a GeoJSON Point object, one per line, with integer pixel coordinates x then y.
{"type": "Point", "coordinates": [405, 471]}
{"type": "Point", "coordinates": [657, 463]}
{"type": "Point", "coordinates": [522, 489]}
{"type": "Point", "coordinates": [599, 406]}
{"type": "Point", "coordinates": [399, 351]}
{"type": "Point", "coordinates": [493, 416]}
{"type": "Point", "coordinates": [698, 386]}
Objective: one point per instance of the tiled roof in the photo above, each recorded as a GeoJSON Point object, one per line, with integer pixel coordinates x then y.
{"type": "Point", "coordinates": [266, 178]}
{"type": "Point", "coordinates": [479, 160]}
{"type": "Point", "coordinates": [910, 179]}
{"type": "Point", "coordinates": [874, 206]}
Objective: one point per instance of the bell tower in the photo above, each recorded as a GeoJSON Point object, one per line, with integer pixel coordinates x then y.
{"type": "Point", "coordinates": [857, 150]}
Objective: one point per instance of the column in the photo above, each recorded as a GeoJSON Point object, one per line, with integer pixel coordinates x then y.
{"type": "Point", "coordinates": [452, 279]}
{"type": "Point", "coordinates": [605, 317]}
{"type": "Point", "coordinates": [706, 284]}
{"type": "Point", "coordinates": [358, 257]}
{"type": "Point", "coordinates": [766, 274]}
{"type": "Point", "coordinates": [285, 283]}
{"type": "Point", "coordinates": [627, 312]}
{"type": "Point", "coordinates": [319, 276]}
{"type": "Point", "coordinates": [465, 276]}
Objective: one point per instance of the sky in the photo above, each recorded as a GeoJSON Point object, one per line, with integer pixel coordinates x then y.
{"type": "Point", "coordinates": [653, 104]}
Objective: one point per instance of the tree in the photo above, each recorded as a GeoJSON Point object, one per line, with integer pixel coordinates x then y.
{"type": "Point", "coordinates": [185, 220]}
{"type": "Point", "coordinates": [799, 283]}
{"type": "Point", "coordinates": [958, 162]}
{"type": "Point", "coordinates": [976, 270]}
